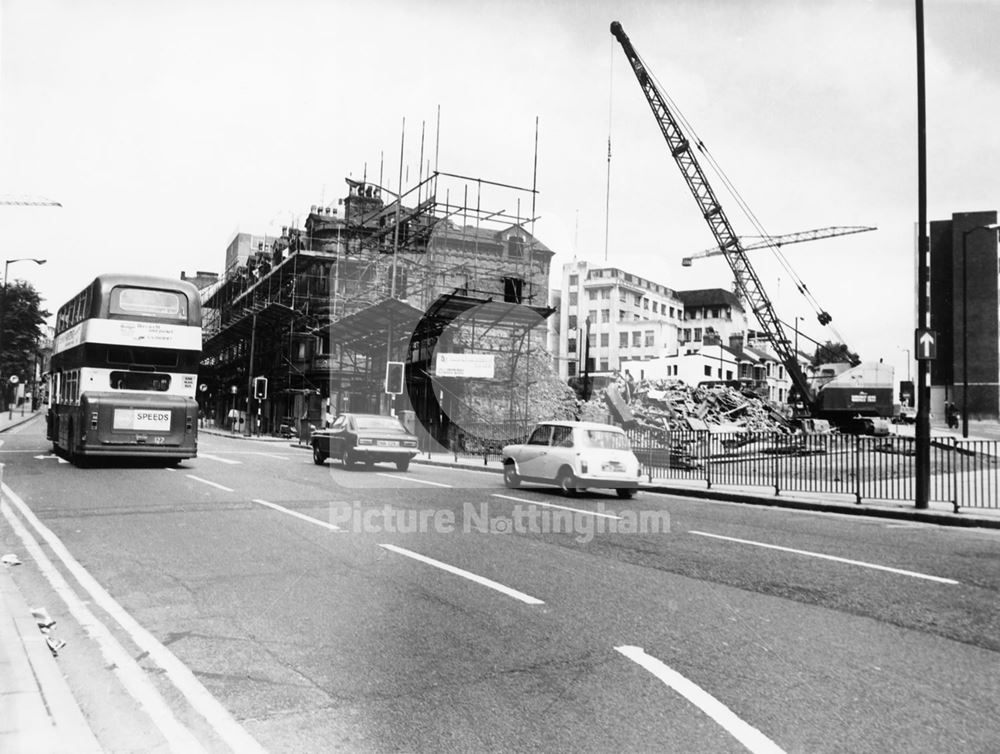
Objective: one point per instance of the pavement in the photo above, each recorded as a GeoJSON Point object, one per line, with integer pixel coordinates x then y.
{"type": "Point", "coordinates": [38, 713]}
{"type": "Point", "coordinates": [37, 710]}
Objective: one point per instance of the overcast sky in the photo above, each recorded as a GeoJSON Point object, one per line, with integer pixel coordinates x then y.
{"type": "Point", "coordinates": [165, 127]}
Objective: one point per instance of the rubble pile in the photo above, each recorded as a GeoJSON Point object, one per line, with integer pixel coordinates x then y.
{"type": "Point", "coordinates": [673, 405]}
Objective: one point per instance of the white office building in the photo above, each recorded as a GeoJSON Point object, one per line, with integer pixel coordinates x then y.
{"type": "Point", "coordinates": [625, 316]}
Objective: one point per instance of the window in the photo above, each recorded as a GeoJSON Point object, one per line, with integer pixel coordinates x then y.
{"type": "Point", "coordinates": [671, 312]}
{"type": "Point", "coordinates": [687, 334]}
{"type": "Point", "coordinates": [636, 339]}
{"type": "Point", "coordinates": [621, 315]}
{"type": "Point", "coordinates": [562, 437]}
{"type": "Point", "coordinates": [146, 302]}
{"type": "Point", "coordinates": [592, 339]}
{"type": "Point", "coordinates": [592, 316]}
{"type": "Point", "coordinates": [697, 333]}
{"type": "Point", "coordinates": [541, 435]}
{"type": "Point", "coordinates": [572, 298]}
{"type": "Point", "coordinates": [571, 324]}
{"type": "Point", "coordinates": [638, 299]}
{"type": "Point", "coordinates": [623, 340]}
{"type": "Point", "coordinates": [605, 293]}
{"type": "Point", "coordinates": [140, 381]}
{"type": "Point", "coordinates": [708, 371]}
{"type": "Point", "coordinates": [572, 369]}
{"type": "Point", "coordinates": [655, 309]}
{"type": "Point", "coordinates": [604, 365]}
{"type": "Point", "coordinates": [729, 374]}
{"type": "Point", "coordinates": [605, 315]}
{"type": "Point", "coordinates": [608, 439]}
{"type": "Point", "coordinates": [604, 340]}
{"type": "Point", "coordinates": [573, 281]}
{"type": "Point", "coordinates": [649, 339]}
{"type": "Point", "coordinates": [571, 345]}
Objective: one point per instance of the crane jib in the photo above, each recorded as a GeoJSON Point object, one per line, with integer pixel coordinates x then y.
{"type": "Point", "coordinates": [746, 278]}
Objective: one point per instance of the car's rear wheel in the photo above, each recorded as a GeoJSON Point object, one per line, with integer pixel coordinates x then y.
{"type": "Point", "coordinates": [403, 465]}
{"type": "Point", "coordinates": [510, 478]}
{"type": "Point", "coordinates": [567, 483]}
{"type": "Point", "coordinates": [318, 455]}
{"type": "Point", "coordinates": [625, 492]}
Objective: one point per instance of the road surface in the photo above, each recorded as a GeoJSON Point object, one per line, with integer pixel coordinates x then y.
{"type": "Point", "coordinates": [311, 608]}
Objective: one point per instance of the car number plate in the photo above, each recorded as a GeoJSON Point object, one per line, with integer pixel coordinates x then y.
{"type": "Point", "coordinates": [387, 443]}
{"type": "Point", "coordinates": [613, 466]}
{"type": "Point", "coordinates": [142, 420]}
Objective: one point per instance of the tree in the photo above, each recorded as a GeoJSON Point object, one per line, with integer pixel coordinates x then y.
{"type": "Point", "coordinates": [831, 352]}
{"type": "Point", "coordinates": [23, 319]}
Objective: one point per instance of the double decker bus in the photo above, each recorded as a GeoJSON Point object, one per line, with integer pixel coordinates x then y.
{"type": "Point", "coordinates": [124, 370]}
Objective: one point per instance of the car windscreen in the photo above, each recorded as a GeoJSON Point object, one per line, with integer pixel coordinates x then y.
{"type": "Point", "coordinates": [601, 438]}
{"type": "Point", "coordinates": [380, 423]}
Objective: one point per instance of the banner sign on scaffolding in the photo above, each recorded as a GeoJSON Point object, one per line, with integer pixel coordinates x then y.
{"type": "Point", "coordinates": [464, 365]}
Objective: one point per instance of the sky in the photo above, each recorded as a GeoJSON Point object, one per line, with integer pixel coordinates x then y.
{"type": "Point", "coordinates": [163, 128]}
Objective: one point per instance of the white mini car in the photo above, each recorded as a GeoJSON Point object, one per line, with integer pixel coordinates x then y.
{"type": "Point", "coordinates": [574, 456]}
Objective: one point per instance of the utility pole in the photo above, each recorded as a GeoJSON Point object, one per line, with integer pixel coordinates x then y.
{"type": "Point", "coordinates": [923, 388]}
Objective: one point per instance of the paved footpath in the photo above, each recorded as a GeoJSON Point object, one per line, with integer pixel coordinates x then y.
{"type": "Point", "coordinates": [37, 710]}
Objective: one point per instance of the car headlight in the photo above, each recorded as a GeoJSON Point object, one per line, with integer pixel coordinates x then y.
{"type": "Point", "coordinates": [583, 467]}
{"type": "Point", "coordinates": [365, 441]}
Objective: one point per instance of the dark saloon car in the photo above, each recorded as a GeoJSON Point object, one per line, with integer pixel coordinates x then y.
{"type": "Point", "coordinates": [365, 438]}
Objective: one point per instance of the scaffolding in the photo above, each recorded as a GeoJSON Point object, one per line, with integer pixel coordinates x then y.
{"type": "Point", "coordinates": [381, 277]}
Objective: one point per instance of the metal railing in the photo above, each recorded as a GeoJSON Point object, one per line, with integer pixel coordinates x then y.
{"type": "Point", "coordinates": [964, 473]}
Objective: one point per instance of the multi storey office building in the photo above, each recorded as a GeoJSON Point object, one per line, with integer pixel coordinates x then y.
{"type": "Point", "coordinates": [965, 313]}
{"type": "Point", "coordinates": [608, 315]}
{"type": "Point", "coordinates": [709, 311]}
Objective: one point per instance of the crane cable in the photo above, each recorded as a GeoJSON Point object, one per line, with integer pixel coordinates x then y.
{"type": "Point", "coordinates": [607, 195]}
{"type": "Point", "coordinates": [693, 138]}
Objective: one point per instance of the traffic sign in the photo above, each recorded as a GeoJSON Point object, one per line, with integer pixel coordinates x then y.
{"type": "Point", "coordinates": [925, 344]}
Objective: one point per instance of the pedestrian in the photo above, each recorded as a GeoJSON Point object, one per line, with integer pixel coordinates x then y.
{"type": "Point", "coordinates": [951, 415]}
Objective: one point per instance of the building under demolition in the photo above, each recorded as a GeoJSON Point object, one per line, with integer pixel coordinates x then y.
{"type": "Point", "coordinates": [315, 321]}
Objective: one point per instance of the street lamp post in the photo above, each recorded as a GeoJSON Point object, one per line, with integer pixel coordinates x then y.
{"type": "Point", "coordinates": [3, 310]}
{"type": "Point", "coordinates": [965, 326]}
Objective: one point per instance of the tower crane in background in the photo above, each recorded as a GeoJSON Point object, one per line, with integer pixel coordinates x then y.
{"type": "Point", "coordinates": [27, 201]}
{"type": "Point", "coordinates": [784, 240]}
{"type": "Point", "coordinates": [747, 280]}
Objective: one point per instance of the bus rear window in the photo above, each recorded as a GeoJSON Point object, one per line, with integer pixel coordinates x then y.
{"type": "Point", "coordinates": [140, 381]}
{"type": "Point", "coordinates": [146, 302]}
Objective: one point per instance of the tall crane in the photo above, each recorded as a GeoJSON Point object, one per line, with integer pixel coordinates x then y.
{"type": "Point", "coordinates": [729, 243]}
{"type": "Point", "coordinates": [27, 201]}
{"type": "Point", "coordinates": [785, 239]}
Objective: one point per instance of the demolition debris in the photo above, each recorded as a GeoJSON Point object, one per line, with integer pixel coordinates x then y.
{"type": "Point", "coordinates": [674, 406]}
